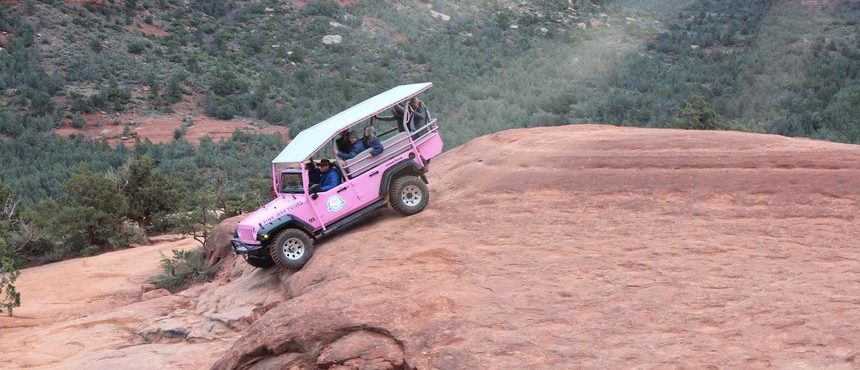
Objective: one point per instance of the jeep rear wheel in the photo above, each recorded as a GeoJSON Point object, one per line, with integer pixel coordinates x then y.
{"type": "Point", "coordinates": [408, 195]}
{"type": "Point", "coordinates": [291, 249]}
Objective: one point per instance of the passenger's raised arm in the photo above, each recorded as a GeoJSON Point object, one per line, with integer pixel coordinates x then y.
{"type": "Point", "coordinates": [397, 113]}
{"type": "Point", "coordinates": [419, 113]}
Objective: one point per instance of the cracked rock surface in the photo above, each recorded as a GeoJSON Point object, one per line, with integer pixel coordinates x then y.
{"type": "Point", "coordinates": [550, 248]}
{"type": "Point", "coordinates": [591, 247]}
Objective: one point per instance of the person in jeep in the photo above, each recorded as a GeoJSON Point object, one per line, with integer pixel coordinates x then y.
{"type": "Point", "coordinates": [344, 144]}
{"type": "Point", "coordinates": [330, 176]}
{"type": "Point", "coordinates": [371, 141]}
{"type": "Point", "coordinates": [314, 173]}
{"type": "Point", "coordinates": [355, 147]}
{"type": "Point", "coordinates": [397, 112]}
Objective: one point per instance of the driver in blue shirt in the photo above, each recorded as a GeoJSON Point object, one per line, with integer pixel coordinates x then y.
{"type": "Point", "coordinates": [330, 176]}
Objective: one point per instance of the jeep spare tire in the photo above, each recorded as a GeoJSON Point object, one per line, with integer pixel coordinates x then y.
{"type": "Point", "coordinates": [291, 249]}
{"type": "Point", "coordinates": [408, 195]}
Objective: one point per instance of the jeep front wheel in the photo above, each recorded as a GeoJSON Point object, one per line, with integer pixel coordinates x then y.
{"type": "Point", "coordinates": [408, 195]}
{"type": "Point", "coordinates": [291, 249]}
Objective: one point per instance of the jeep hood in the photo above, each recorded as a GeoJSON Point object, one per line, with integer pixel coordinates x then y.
{"type": "Point", "coordinates": [283, 205]}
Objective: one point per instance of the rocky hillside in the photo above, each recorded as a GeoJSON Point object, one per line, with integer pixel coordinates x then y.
{"type": "Point", "coordinates": [196, 84]}
{"type": "Point", "coordinates": [576, 246]}
{"type": "Point", "coordinates": [591, 246]}
{"type": "Point", "coordinates": [779, 66]}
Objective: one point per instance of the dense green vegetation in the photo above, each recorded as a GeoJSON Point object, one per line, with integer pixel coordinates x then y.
{"type": "Point", "coordinates": [9, 296]}
{"type": "Point", "coordinates": [765, 65]}
{"type": "Point", "coordinates": [759, 65]}
{"type": "Point", "coordinates": [79, 209]}
{"type": "Point", "coordinates": [184, 268]}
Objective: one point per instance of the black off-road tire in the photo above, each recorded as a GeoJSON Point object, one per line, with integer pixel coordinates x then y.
{"type": "Point", "coordinates": [291, 249]}
{"type": "Point", "coordinates": [258, 262]}
{"type": "Point", "coordinates": [408, 195]}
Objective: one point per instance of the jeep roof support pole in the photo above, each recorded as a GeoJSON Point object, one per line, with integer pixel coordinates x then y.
{"type": "Point", "coordinates": [305, 186]}
{"type": "Point", "coordinates": [343, 174]}
{"type": "Point", "coordinates": [275, 180]}
{"type": "Point", "coordinates": [412, 147]}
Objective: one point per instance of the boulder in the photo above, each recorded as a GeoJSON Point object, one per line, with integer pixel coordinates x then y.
{"type": "Point", "coordinates": [441, 16]}
{"type": "Point", "coordinates": [165, 330]}
{"type": "Point", "coordinates": [217, 244]}
{"type": "Point", "coordinates": [362, 350]}
{"type": "Point", "coordinates": [332, 39]}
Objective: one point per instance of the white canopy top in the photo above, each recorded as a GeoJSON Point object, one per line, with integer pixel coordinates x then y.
{"type": "Point", "coordinates": [311, 139]}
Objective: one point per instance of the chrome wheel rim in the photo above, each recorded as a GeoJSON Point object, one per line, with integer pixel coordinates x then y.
{"type": "Point", "coordinates": [293, 249]}
{"type": "Point", "coordinates": [411, 195]}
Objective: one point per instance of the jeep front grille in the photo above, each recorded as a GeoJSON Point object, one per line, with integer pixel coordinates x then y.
{"type": "Point", "coordinates": [247, 234]}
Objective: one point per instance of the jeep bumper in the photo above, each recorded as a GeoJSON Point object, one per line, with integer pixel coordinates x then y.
{"type": "Point", "coordinates": [249, 249]}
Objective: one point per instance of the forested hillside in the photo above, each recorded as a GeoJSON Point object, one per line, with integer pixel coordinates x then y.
{"type": "Point", "coordinates": [780, 66]}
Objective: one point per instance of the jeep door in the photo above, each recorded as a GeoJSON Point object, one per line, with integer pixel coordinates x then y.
{"type": "Point", "coordinates": [336, 203]}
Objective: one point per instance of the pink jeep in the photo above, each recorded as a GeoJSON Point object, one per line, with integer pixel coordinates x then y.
{"type": "Point", "coordinates": [283, 231]}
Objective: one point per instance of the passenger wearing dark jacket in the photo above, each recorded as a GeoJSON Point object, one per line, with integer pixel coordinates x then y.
{"type": "Point", "coordinates": [419, 113]}
{"type": "Point", "coordinates": [330, 176]}
{"type": "Point", "coordinates": [357, 146]}
{"type": "Point", "coordinates": [371, 141]}
{"type": "Point", "coordinates": [343, 143]}
{"type": "Point", "coordinates": [314, 173]}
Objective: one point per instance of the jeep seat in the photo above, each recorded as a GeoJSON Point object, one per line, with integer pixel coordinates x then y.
{"type": "Point", "coordinates": [392, 146]}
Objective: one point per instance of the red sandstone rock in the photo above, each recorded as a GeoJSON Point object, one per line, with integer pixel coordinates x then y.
{"type": "Point", "coordinates": [566, 247]}
{"type": "Point", "coordinates": [155, 293]}
{"type": "Point", "coordinates": [593, 247]}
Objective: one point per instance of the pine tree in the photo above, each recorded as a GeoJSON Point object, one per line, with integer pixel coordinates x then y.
{"type": "Point", "coordinates": [9, 296]}
{"type": "Point", "coordinates": [149, 192]}
{"type": "Point", "coordinates": [92, 210]}
{"type": "Point", "coordinates": [697, 114]}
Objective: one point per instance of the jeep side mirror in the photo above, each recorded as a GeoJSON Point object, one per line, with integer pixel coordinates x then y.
{"type": "Point", "coordinates": [314, 196]}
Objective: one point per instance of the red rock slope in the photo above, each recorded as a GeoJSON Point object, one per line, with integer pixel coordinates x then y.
{"type": "Point", "coordinates": [596, 247]}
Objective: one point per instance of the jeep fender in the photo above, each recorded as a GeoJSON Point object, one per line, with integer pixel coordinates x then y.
{"type": "Point", "coordinates": [280, 223]}
{"type": "Point", "coordinates": [405, 166]}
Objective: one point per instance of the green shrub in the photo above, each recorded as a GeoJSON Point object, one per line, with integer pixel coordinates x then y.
{"type": "Point", "coordinates": [9, 296]}
{"type": "Point", "coordinates": [95, 45]}
{"type": "Point", "coordinates": [322, 8]}
{"type": "Point", "coordinates": [80, 103]}
{"type": "Point", "coordinates": [111, 97]}
{"type": "Point", "coordinates": [184, 269]}
{"type": "Point", "coordinates": [697, 114]}
{"type": "Point", "coordinates": [78, 121]}
{"type": "Point", "coordinates": [137, 47]}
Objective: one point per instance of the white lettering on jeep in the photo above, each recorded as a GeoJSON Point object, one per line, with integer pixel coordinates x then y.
{"type": "Point", "coordinates": [283, 211]}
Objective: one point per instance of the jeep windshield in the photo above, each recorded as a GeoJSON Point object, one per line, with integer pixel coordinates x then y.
{"type": "Point", "coordinates": [291, 183]}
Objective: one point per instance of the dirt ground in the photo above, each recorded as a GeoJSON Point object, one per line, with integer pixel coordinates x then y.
{"type": "Point", "coordinates": [160, 128]}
